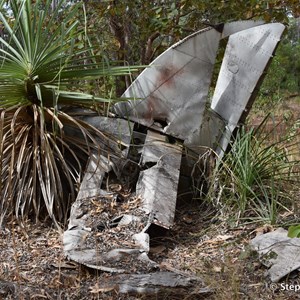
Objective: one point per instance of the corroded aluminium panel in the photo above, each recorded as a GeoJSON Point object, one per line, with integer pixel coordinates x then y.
{"type": "Point", "coordinates": [278, 252]}
{"type": "Point", "coordinates": [120, 130]}
{"type": "Point", "coordinates": [174, 88]}
{"type": "Point", "coordinates": [157, 186]}
{"type": "Point", "coordinates": [97, 167]}
{"type": "Point", "coordinates": [172, 94]}
{"type": "Point", "coordinates": [157, 148]}
{"type": "Point", "coordinates": [160, 284]}
{"type": "Point", "coordinates": [102, 162]}
{"type": "Point", "coordinates": [172, 98]}
{"type": "Point", "coordinates": [246, 57]}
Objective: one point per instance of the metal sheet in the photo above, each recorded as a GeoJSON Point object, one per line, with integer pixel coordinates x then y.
{"type": "Point", "coordinates": [234, 27]}
{"type": "Point", "coordinates": [278, 252]}
{"type": "Point", "coordinates": [157, 186]}
{"type": "Point", "coordinates": [246, 57]}
{"type": "Point", "coordinates": [119, 129]}
{"type": "Point", "coordinates": [174, 88]}
{"type": "Point", "coordinates": [81, 215]}
{"type": "Point", "coordinates": [172, 97]}
{"type": "Point", "coordinates": [157, 148]}
{"type": "Point", "coordinates": [208, 134]}
{"type": "Point", "coordinates": [172, 94]}
{"type": "Point", "coordinates": [164, 285]}
{"type": "Point", "coordinates": [91, 184]}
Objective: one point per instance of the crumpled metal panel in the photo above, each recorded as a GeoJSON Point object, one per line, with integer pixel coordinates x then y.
{"type": "Point", "coordinates": [157, 148]}
{"type": "Point", "coordinates": [157, 185]}
{"type": "Point", "coordinates": [246, 56]}
{"type": "Point", "coordinates": [278, 252]}
{"type": "Point", "coordinates": [174, 88]}
{"type": "Point", "coordinates": [173, 100]}
{"type": "Point", "coordinates": [164, 285]}
{"type": "Point", "coordinates": [171, 95]}
{"type": "Point", "coordinates": [80, 232]}
{"type": "Point", "coordinates": [119, 130]}
{"type": "Point", "coordinates": [93, 176]}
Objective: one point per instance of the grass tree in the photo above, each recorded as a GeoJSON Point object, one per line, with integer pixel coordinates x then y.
{"type": "Point", "coordinates": [43, 66]}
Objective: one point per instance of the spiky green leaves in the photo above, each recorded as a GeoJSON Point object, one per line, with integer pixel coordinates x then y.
{"type": "Point", "coordinates": [39, 49]}
{"type": "Point", "coordinates": [42, 68]}
{"type": "Point", "coordinates": [257, 176]}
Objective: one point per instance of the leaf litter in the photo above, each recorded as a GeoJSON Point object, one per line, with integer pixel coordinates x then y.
{"type": "Point", "coordinates": [34, 266]}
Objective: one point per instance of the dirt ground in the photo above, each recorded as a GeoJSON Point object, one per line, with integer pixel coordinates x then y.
{"type": "Point", "coordinates": [33, 265]}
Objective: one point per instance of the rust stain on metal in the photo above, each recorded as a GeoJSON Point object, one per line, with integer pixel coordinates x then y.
{"type": "Point", "coordinates": [148, 114]}
{"type": "Point", "coordinates": [166, 76]}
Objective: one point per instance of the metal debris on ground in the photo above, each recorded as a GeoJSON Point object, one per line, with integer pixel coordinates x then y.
{"type": "Point", "coordinates": [278, 252]}
{"type": "Point", "coordinates": [122, 201]}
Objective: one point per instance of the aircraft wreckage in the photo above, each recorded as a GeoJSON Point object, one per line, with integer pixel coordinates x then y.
{"type": "Point", "coordinates": [109, 228]}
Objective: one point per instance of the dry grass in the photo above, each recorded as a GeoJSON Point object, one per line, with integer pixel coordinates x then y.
{"type": "Point", "coordinates": [33, 266]}
{"type": "Point", "coordinates": [284, 121]}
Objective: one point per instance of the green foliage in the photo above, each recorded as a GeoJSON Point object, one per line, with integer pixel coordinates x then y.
{"type": "Point", "coordinates": [294, 231]}
{"type": "Point", "coordinates": [43, 59]}
{"type": "Point", "coordinates": [44, 67]}
{"type": "Point", "coordinates": [138, 31]}
{"type": "Point", "coordinates": [283, 76]}
{"type": "Point", "coordinates": [256, 178]}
